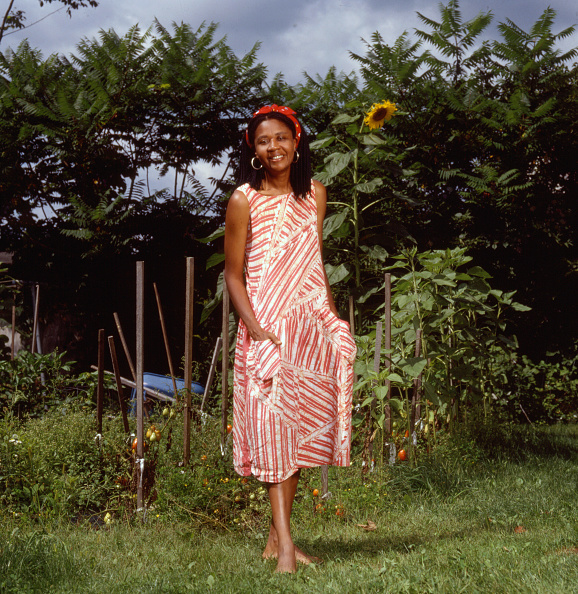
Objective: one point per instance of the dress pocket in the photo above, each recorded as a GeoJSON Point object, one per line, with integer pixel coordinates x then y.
{"type": "Point", "coordinates": [267, 359]}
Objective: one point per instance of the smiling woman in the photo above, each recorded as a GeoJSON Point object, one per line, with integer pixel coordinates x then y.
{"type": "Point", "coordinates": [294, 356]}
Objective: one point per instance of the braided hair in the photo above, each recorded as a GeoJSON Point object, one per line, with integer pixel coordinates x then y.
{"type": "Point", "coordinates": [300, 174]}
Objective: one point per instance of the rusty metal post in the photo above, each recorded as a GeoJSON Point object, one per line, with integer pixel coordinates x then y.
{"type": "Point", "coordinates": [189, 302]}
{"type": "Point", "coordinates": [140, 381]}
{"type": "Point", "coordinates": [166, 340]}
{"type": "Point", "coordinates": [121, 400]}
{"type": "Point", "coordinates": [225, 367]}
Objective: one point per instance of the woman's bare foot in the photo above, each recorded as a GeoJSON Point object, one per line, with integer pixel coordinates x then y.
{"type": "Point", "coordinates": [272, 551]}
{"type": "Point", "coordinates": [286, 560]}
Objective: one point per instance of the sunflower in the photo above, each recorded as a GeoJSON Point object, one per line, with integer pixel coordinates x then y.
{"type": "Point", "coordinates": [379, 113]}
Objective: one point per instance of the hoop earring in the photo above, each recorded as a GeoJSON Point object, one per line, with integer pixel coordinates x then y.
{"type": "Point", "coordinates": [253, 164]}
{"type": "Point", "coordinates": [296, 157]}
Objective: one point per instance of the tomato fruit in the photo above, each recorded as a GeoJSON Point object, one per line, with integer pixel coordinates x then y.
{"type": "Point", "coordinates": [407, 433]}
{"type": "Point", "coordinates": [315, 492]}
{"type": "Point", "coordinates": [229, 428]}
{"type": "Point", "coordinates": [402, 455]}
{"type": "Point", "coordinates": [158, 435]}
{"type": "Point", "coordinates": [148, 433]}
{"type": "Point", "coordinates": [153, 437]}
{"type": "Point", "coordinates": [166, 411]}
{"type": "Point", "coordinates": [134, 443]}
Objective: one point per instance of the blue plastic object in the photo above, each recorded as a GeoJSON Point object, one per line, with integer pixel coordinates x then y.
{"type": "Point", "coordinates": [164, 386]}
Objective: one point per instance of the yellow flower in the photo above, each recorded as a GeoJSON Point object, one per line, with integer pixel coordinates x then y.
{"type": "Point", "coordinates": [379, 113]}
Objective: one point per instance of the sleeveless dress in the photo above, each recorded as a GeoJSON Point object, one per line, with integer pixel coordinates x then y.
{"type": "Point", "coordinates": [291, 403]}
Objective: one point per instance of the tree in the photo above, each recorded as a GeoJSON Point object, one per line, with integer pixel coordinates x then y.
{"type": "Point", "coordinates": [14, 18]}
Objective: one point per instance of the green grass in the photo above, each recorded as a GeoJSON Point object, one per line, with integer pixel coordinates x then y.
{"type": "Point", "coordinates": [446, 526]}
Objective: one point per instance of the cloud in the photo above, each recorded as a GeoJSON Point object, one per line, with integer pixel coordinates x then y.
{"type": "Point", "coordinates": [297, 36]}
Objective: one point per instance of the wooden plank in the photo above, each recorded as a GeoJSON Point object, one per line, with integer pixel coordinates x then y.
{"type": "Point", "coordinates": [154, 393]}
{"type": "Point", "coordinates": [121, 399]}
{"type": "Point", "coordinates": [189, 303]}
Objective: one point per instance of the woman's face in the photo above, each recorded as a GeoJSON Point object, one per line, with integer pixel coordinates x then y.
{"type": "Point", "coordinates": [274, 145]}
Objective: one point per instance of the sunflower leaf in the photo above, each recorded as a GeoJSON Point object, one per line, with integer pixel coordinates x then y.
{"type": "Point", "coordinates": [344, 118]}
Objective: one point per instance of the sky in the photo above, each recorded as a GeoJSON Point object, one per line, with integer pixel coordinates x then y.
{"type": "Point", "coordinates": [296, 36]}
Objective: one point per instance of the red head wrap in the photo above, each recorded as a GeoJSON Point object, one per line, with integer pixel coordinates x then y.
{"type": "Point", "coordinates": [286, 111]}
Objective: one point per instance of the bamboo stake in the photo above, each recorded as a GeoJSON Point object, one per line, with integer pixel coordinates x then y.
{"type": "Point", "coordinates": [140, 381]}
{"type": "Point", "coordinates": [119, 390]}
{"type": "Point", "coordinates": [166, 340]}
{"type": "Point", "coordinates": [100, 382]}
{"type": "Point", "coordinates": [125, 346]}
{"type": "Point", "coordinates": [225, 367]}
{"type": "Point", "coordinates": [189, 302]}
{"type": "Point", "coordinates": [212, 369]}
{"type": "Point", "coordinates": [12, 348]}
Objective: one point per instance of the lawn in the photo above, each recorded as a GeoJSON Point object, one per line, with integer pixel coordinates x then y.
{"type": "Point", "coordinates": [495, 512]}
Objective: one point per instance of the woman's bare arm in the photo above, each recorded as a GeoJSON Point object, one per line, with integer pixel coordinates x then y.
{"type": "Point", "coordinates": [321, 199]}
{"type": "Point", "coordinates": [236, 225]}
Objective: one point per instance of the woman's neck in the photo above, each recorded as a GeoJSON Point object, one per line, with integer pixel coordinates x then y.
{"type": "Point", "coordinates": [275, 185]}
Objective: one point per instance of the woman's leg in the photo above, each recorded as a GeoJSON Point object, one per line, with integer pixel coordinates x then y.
{"type": "Point", "coordinates": [280, 544]}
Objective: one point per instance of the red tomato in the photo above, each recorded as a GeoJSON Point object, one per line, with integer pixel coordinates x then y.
{"type": "Point", "coordinates": [315, 492]}
{"type": "Point", "coordinates": [402, 455]}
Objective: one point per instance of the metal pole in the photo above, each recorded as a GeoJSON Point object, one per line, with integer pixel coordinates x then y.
{"type": "Point", "coordinates": [166, 340]}
{"type": "Point", "coordinates": [140, 381]}
{"type": "Point", "coordinates": [225, 367]}
{"type": "Point", "coordinates": [189, 302]}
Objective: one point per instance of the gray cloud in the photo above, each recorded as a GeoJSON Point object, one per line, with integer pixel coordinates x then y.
{"type": "Point", "coordinates": [297, 36]}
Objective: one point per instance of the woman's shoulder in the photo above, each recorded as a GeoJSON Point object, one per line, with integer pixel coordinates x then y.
{"type": "Point", "coordinates": [319, 192]}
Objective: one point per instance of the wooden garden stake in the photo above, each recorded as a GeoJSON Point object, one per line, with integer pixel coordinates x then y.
{"type": "Point", "coordinates": [212, 369]}
{"type": "Point", "coordinates": [376, 364]}
{"type": "Point", "coordinates": [100, 382]}
{"type": "Point", "coordinates": [36, 295]}
{"type": "Point", "coordinates": [166, 340]}
{"type": "Point", "coordinates": [140, 381]}
{"type": "Point", "coordinates": [352, 315]}
{"type": "Point", "coordinates": [119, 390]}
{"type": "Point", "coordinates": [387, 345]}
{"type": "Point", "coordinates": [225, 367]}
{"type": "Point", "coordinates": [189, 302]}
{"type": "Point", "coordinates": [414, 398]}
{"type": "Point", "coordinates": [125, 346]}
{"type": "Point", "coordinates": [12, 348]}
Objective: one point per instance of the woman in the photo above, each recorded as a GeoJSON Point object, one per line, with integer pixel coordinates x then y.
{"type": "Point", "coordinates": [294, 356]}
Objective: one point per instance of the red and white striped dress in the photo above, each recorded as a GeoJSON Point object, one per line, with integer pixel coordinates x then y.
{"type": "Point", "coordinates": [292, 403]}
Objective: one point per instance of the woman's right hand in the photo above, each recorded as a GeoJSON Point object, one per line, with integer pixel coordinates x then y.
{"type": "Point", "coordinates": [258, 334]}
